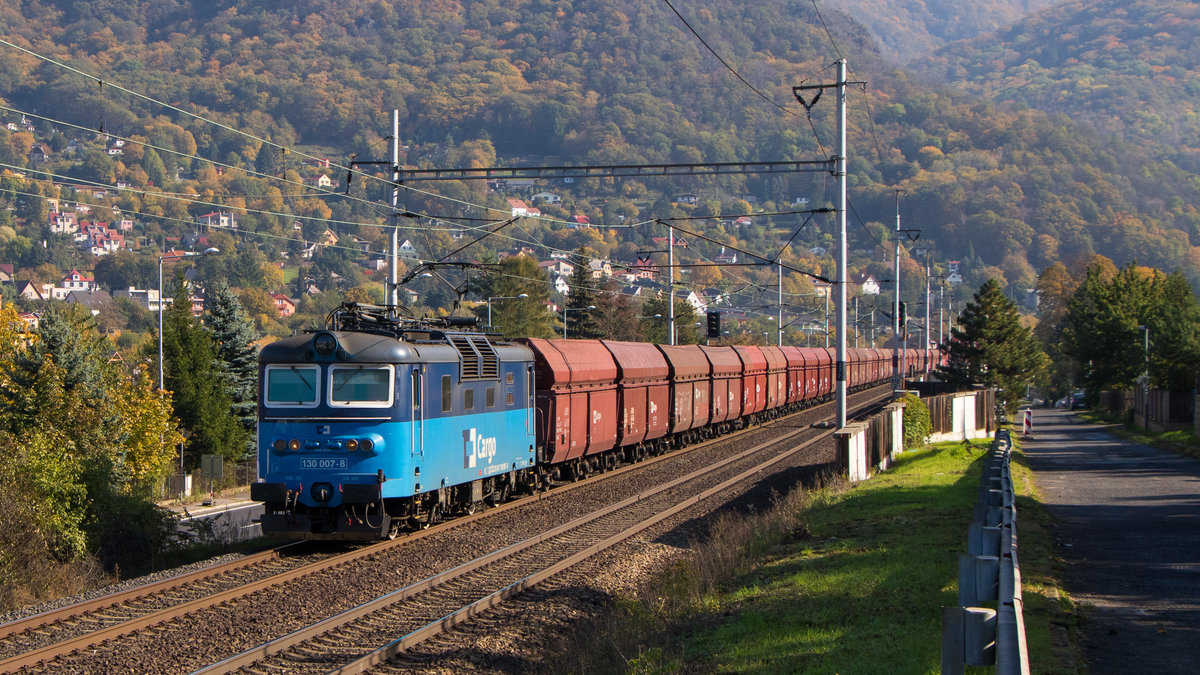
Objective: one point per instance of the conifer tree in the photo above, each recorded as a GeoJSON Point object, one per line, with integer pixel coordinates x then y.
{"type": "Point", "coordinates": [989, 346]}
{"type": "Point", "coordinates": [234, 335]}
{"type": "Point", "coordinates": [581, 322]}
{"type": "Point", "coordinates": [527, 317]}
{"type": "Point", "coordinates": [192, 375]}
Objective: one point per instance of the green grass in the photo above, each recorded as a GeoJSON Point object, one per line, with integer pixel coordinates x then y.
{"type": "Point", "coordinates": [868, 586]}
{"type": "Point", "coordinates": [850, 580]}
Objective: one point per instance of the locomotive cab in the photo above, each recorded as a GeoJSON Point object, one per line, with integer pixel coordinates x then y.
{"type": "Point", "coordinates": [364, 432]}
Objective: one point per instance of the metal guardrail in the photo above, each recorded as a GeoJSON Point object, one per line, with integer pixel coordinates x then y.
{"type": "Point", "coordinates": [989, 573]}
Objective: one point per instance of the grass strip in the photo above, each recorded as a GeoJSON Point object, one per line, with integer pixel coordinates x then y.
{"type": "Point", "coordinates": [838, 579]}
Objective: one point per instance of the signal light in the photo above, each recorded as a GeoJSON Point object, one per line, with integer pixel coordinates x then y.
{"type": "Point", "coordinates": [714, 324]}
{"type": "Point", "coordinates": [352, 445]}
{"type": "Point", "coordinates": [280, 445]}
{"type": "Point", "coordinates": [367, 445]}
{"type": "Point", "coordinates": [294, 444]}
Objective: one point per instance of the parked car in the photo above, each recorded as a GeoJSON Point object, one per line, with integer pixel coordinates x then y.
{"type": "Point", "coordinates": [1077, 401]}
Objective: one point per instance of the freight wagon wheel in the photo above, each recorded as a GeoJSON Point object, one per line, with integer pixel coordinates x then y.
{"type": "Point", "coordinates": [393, 529]}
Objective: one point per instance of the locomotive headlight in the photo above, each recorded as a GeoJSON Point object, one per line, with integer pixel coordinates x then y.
{"type": "Point", "coordinates": [367, 445]}
{"type": "Point", "coordinates": [294, 444]}
{"type": "Point", "coordinates": [352, 445]}
{"type": "Point", "coordinates": [325, 344]}
{"type": "Point", "coordinates": [280, 445]}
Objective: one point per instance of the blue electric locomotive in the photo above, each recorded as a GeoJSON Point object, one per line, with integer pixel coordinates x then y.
{"type": "Point", "coordinates": [380, 422]}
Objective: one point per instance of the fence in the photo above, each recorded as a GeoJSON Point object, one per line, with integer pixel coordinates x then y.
{"type": "Point", "coordinates": [973, 635]}
{"type": "Point", "coordinates": [866, 446]}
{"type": "Point", "coordinates": [180, 486]}
{"type": "Point", "coordinates": [962, 416]}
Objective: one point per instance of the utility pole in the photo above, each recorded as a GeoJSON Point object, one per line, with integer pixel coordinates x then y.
{"type": "Point", "coordinates": [779, 340]}
{"type": "Point", "coordinates": [856, 322]}
{"type": "Point", "coordinates": [393, 283]}
{"type": "Point", "coordinates": [671, 284]}
{"type": "Point", "coordinates": [925, 329]}
{"type": "Point", "coordinates": [941, 304]}
{"type": "Point", "coordinates": [897, 372]}
{"type": "Point", "coordinates": [839, 171]}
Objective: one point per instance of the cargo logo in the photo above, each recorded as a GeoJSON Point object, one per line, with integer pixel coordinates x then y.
{"type": "Point", "coordinates": [596, 417]}
{"type": "Point", "coordinates": [477, 447]}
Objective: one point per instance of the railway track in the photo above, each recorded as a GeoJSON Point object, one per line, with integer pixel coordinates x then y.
{"type": "Point", "coordinates": [45, 638]}
{"type": "Point", "coordinates": [442, 601]}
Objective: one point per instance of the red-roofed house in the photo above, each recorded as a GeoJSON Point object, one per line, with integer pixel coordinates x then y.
{"type": "Point", "coordinates": [284, 304]}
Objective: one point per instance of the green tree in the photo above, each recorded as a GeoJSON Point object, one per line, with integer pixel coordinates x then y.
{"type": "Point", "coordinates": [234, 335]}
{"type": "Point", "coordinates": [581, 322]}
{"type": "Point", "coordinates": [528, 317]}
{"type": "Point", "coordinates": [1111, 318]}
{"type": "Point", "coordinates": [655, 321]}
{"type": "Point", "coordinates": [989, 346]}
{"type": "Point", "coordinates": [193, 376]}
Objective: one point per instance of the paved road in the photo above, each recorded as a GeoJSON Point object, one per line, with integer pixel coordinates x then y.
{"type": "Point", "coordinates": [1127, 523]}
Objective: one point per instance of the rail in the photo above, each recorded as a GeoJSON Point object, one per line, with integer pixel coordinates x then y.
{"type": "Point", "coordinates": [973, 634]}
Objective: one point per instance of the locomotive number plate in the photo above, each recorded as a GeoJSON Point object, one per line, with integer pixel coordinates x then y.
{"type": "Point", "coordinates": [336, 463]}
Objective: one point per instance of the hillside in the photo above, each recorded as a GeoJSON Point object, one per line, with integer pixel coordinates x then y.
{"type": "Point", "coordinates": [912, 29]}
{"type": "Point", "coordinates": [1004, 190]}
{"type": "Point", "coordinates": [1129, 69]}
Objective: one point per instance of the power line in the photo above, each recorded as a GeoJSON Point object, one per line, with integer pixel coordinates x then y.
{"type": "Point", "coordinates": [725, 63]}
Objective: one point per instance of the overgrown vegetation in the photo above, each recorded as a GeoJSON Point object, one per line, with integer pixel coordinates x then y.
{"type": "Point", "coordinates": [833, 580]}
{"type": "Point", "coordinates": [84, 442]}
{"type": "Point", "coordinates": [917, 424]}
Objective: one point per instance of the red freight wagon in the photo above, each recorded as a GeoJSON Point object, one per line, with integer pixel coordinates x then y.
{"type": "Point", "coordinates": [882, 364]}
{"type": "Point", "coordinates": [754, 378]}
{"type": "Point", "coordinates": [643, 391]}
{"type": "Point", "coordinates": [576, 397]}
{"type": "Point", "coordinates": [726, 395]}
{"type": "Point", "coordinates": [690, 387]}
{"type": "Point", "coordinates": [776, 376]}
{"type": "Point", "coordinates": [825, 373]}
{"type": "Point", "coordinates": [811, 375]}
{"type": "Point", "coordinates": [855, 367]}
{"type": "Point", "coordinates": [795, 374]}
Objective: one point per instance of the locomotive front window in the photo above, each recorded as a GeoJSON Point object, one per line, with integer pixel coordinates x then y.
{"type": "Point", "coordinates": [361, 386]}
{"type": "Point", "coordinates": [291, 386]}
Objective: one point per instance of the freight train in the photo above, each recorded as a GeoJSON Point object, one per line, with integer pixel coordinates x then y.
{"type": "Point", "coordinates": [379, 423]}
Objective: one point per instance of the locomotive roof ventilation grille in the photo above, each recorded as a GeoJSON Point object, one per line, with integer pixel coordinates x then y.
{"type": "Point", "coordinates": [478, 360]}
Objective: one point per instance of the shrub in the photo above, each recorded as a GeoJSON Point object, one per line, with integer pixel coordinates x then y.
{"type": "Point", "coordinates": [917, 426]}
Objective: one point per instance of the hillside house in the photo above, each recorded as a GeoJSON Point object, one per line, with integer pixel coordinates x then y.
{"type": "Point", "coordinates": [953, 276]}
{"type": "Point", "coordinates": [219, 219]}
{"type": "Point", "coordinates": [327, 238]}
{"type": "Point", "coordinates": [547, 197]}
{"type": "Point", "coordinates": [99, 239]}
{"type": "Point", "coordinates": [31, 320]}
{"type": "Point", "coordinates": [284, 304]}
{"type": "Point", "coordinates": [680, 242]}
{"type": "Point", "coordinates": [518, 207]}
{"type": "Point", "coordinates": [408, 252]}
{"type": "Point", "coordinates": [726, 257]}
{"type": "Point", "coordinates": [866, 283]}
{"type": "Point", "coordinates": [30, 291]}
{"type": "Point", "coordinates": [147, 298]}
{"type": "Point", "coordinates": [6, 273]}
{"type": "Point", "coordinates": [93, 300]}
{"type": "Point", "coordinates": [560, 284]}
{"type": "Point", "coordinates": [560, 267]}
{"type": "Point", "coordinates": [38, 155]}
{"type": "Point", "coordinates": [697, 301]}
{"type": "Point", "coordinates": [600, 269]}
{"type": "Point", "coordinates": [64, 223]}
